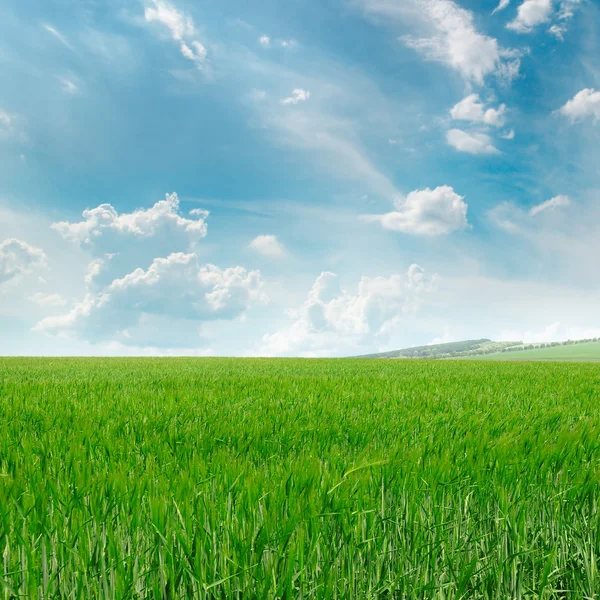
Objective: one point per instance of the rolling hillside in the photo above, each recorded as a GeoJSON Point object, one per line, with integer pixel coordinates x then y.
{"type": "Point", "coordinates": [576, 352]}
{"type": "Point", "coordinates": [452, 350]}
{"type": "Point", "coordinates": [485, 349]}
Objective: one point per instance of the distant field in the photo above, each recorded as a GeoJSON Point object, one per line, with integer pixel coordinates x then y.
{"type": "Point", "coordinates": [325, 479]}
{"type": "Point", "coordinates": [589, 352]}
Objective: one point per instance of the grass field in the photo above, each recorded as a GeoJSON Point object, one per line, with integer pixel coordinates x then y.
{"type": "Point", "coordinates": [183, 478]}
{"type": "Point", "coordinates": [589, 352]}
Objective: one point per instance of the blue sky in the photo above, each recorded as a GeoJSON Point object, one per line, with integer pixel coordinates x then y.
{"type": "Point", "coordinates": [296, 178]}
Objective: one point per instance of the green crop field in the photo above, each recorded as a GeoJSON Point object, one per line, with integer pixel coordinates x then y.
{"type": "Point", "coordinates": [588, 352]}
{"type": "Point", "coordinates": [219, 478]}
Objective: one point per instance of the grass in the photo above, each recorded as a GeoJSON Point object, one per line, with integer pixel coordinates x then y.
{"type": "Point", "coordinates": [183, 478]}
{"type": "Point", "coordinates": [588, 352]}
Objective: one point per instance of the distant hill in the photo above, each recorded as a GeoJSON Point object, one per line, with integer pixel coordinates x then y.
{"type": "Point", "coordinates": [570, 350]}
{"type": "Point", "coordinates": [574, 351]}
{"type": "Point", "coordinates": [451, 350]}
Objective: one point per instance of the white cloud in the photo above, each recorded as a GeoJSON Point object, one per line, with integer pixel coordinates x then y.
{"type": "Point", "coordinates": [427, 212]}
{"type": "Point", "coordinates": [18, 258]}
{"type": "Point", "coordinates": [11, 126]}
{"type": "Point", "coordinates": [104, 220]}
{"type": "Point", "coordinates": [58, 35]}
{"type": "Point", "coordinates": [558, 31]}
{"type": "Point", "coordinates": [566, 12]}
{"type": "Point", "coordinates": [473, 110]}
{"type": "Point", "coordinates": [453, 38]}
{"type": "Point", "coordinates": [48, 299]}
{"type": "Point", "coordinates": [195, 51]}
{"type": "Point", "coordinates": [517, 221]}
{"type": "Point", "coordinates": [268, 245]}
{"type": "Point", "coordinates": [586, 103]}
{"type": "Point", "coordinates": [556, 202]}
{"type": "Point", "coordinates": [6, 121]}
{"type": "Point", "coordinates": [531, 14]}
{"type": "Point", "coordinates": [501, 6]}
{"type": "Point", "coordinates": [332, 320]}
{"type": "Point", "coordinates": [181, 28]}
{"type": "Point", "coordinates": [298, 95]}
{"type": "Point", "coordinates": [117, 242]}
{"type": "Point", "coordinates": [567, 8]}
{"type": "Point", "coordinates": [266, 42]}
{"type": "Point", "coordinates": [69, 86]}
{"type": "Point", "coordinates": [508, 135]}
{"type": "Point", "coordinates": [473, 143]}
{"type": "Point", "coordinates": [176, 287]}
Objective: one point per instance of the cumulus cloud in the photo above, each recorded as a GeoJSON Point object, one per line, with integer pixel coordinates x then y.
{"type": "Point", "coordinates": [585, 104]}
{"type": "Point", "coordinates": [104, 221]}
{"type": "Point", "coordinates": [473, 143]}
{"type": "Point", "coordinates": [473, 110]}
{"type": "Point", "coordinates": [176, 287]}
{"type": "Point", "coordinates": [120, 242]}
{"type": "Point", "coordinates": [298, 95]}
{"type": "Point", "coordinates": [530, 14]}
{"type": "Point", "coordinates": [264, 40]}
{"type": "Point", "coordinates": [268, 245]}
{"type": "Point", "coordinates": [556, 202]}
{"type": "Point", "coordinates": [18, 258]}
{"type": "Point", "coordinates": [182, 30]}
{"type": "Point", "coordinates": [452, 37]}
{"type": "Point", "coordinates": [427, 212]}
{"type": "Point", "coordinates": [331, 316]}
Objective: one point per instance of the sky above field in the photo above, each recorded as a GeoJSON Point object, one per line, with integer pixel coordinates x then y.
{"type": "Point", "coordinates": [297, 177]}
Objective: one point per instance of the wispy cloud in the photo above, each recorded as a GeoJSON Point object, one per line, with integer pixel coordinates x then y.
{"type": "Point", "coordinates": [501, 6]}
{"type": "Point", "coordinates": [68, 86]}
{"type": "Point", "coordinates": [181, 28]}
{"type": "Point", "coordinates": [450, 37]}
{"type": "Point", "coordinates": [298, 95]}
{"type": "Point", "coordinates": [556, 202]}
{"type": "Point", "coordinates": [58, 35]}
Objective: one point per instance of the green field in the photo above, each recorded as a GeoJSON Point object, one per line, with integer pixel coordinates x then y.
{"type": "Point", "coordinates": [186, 478]}
{"type": "Point", "coordinates": [588, 352]}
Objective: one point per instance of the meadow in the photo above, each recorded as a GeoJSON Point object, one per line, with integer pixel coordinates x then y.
{"type": "Point", "coordinates": [224, 478]}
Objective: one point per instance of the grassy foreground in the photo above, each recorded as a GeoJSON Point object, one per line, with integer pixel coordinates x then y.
{"type": "Point", "coordinates": [152, 478]}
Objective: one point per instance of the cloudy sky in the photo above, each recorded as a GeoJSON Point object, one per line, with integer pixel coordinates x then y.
{"type": "Point", "coordinates": [297, 177]}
